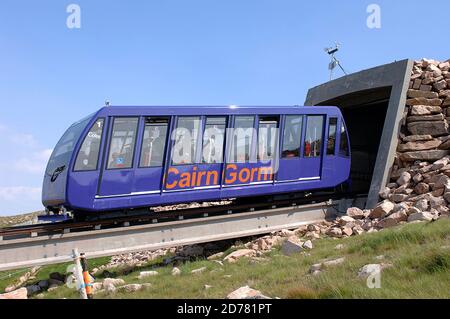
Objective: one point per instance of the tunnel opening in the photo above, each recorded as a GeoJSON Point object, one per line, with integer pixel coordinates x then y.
{"type": "Point", "coordinates": [365, 114]}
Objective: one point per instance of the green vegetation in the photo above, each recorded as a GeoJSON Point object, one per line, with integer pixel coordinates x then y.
{"type": "Point", "coordinates": [419, 253]}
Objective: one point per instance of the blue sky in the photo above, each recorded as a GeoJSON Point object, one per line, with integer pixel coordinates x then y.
{"type": "Point", "coordinates": [178, 52]}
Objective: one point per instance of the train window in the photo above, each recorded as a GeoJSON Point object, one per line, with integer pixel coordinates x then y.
{"type": "Point", "coordinates": [343, 147]}
{"type": "Point", "coordinates": [313, 138]}
{"type": "Point", "coordinates": [267, 138]}
{"type": "Point", "coordinates": [292, 136]}
{"type": "Point", "coordinates": [213, 140]}
{"type": "Point", "coordinates": [186, 136]}
{"type": "Point", "coordinates": [331, 144]}
{"type": "Point", "coordinates": [123, 139]}
{"type": "Point", "coordinates": [242, 141]}
{"type": "Point", "coordinates": [154, 142]}
{"type": "Point", "coordinates": [87, 157]}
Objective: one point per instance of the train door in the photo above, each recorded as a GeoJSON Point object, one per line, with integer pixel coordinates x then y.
{"type": "Point", "coordinates": [182, 166]}
{"type": "Point", "coordinates": [150, 167]}
{"type": "Point", "coordinates": [330, 160]}
{"type": "Point", "coordinates": [311, 162]}
{"type": "Point", "coordinates": [118, 174]}
{"type": "Point", "coordinates": [250, 162]}
{"type": "Point", "coordinates": [290, 169]}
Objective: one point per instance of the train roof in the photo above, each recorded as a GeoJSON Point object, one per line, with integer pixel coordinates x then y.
{"type": "Point", "coordinates": [214, 110]}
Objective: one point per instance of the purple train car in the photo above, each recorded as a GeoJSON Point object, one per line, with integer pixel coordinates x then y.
{"type": "Point", "coordinates": [122, 158]}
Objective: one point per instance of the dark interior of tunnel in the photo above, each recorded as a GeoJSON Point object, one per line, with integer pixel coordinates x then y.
{"type": "Point", "coordinates": [364, 113]}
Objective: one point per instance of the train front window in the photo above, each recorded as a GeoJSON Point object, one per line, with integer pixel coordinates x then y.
{"type": "Point", "coordinates": [242, 141]}
{"type": "Point", "coordinates": [213, 140]}
{"type": "Point", "coordinates": [186, 137]}
{"type": "Point", "coordinates": [123, 139]}
{"type": "Point", "coordinates": [64, 148]}
{"type": "Point", "coordinates": [331, 144]}
{"type": "Point", "coordinates": [292, 136]}
{"type": "Point", "coordinates": [154, 142]}
{"type": "Point", "coordinates": [313, 138]}
{"type": "Point", "coordinates": [267, 138]}
{"type": "Point", "coordinates": [87, 157]}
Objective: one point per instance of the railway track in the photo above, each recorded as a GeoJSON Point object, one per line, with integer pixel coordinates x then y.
{"type": "Point", "coordinates": [53, 243]}
{"type": "Point", "coordinates": [148, 217]}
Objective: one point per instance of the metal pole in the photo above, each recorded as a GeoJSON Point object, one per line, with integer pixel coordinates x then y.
{"type": "Point", "coordinates": [79, 274]}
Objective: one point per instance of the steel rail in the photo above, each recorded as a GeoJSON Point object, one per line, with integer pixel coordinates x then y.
{"type": "Point", "coordinates": [57, 248]}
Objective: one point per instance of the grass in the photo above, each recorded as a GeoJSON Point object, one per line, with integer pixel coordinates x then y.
{"type": "Point", "coordinates": [419, 253]}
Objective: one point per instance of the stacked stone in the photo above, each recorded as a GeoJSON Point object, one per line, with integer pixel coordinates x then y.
{"type": "Point", "coordinates": [420, 176]}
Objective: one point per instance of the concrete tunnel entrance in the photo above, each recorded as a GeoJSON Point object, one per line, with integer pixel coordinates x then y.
{"type": "Point", "coordinates": [364, 113]}
{"type": "Point", "coordinates": [372, 102]}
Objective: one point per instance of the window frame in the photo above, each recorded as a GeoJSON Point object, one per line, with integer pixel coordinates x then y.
{"type": "Point", "coordinates": [198, 141]}
{"type": "Point", "coordinates": [112, 122]}
{"type": "Point", "coordinates": [300, 147]}
{"type": "Point", "coordinates": [102, 140]}
{"type": "Point", "coordinates": [269, 119]}
{"type": "Point", "coordinates": [253, 142]}
{"type": "Point", "coordinates": [224, 143]}
{"type": "Point", "coordinates": [328, 135]}
{"type": "Point", "coordinates": [323, 116]}
{"type": "Point", "coordinates": [347, 154]}
{"type": "Point", "coordinates": [168, 118]}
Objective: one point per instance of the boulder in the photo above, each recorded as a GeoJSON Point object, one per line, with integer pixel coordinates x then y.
{"type": "Point", "coordinates": [436, 128]}
{"type": "Point", "coordinates": [355, 213]}
{"type": "Point", "coordinates": [398, 198]}
{"type": "Point", "coordinates": [246, 293]}
{"type": "Point", "coordinates": [347, 231]}
{"type": "Point", "coordinates": [441, 85]}
{"type": "Point", "coordinates": [144, 274]}
{"type": "Point", "coordinates": [176, 271]}
{"type": "Point", "coordinates": [423, 101]}
{"type": "Point", "coordinates": [425, 118]}
{"type": "Point", "coordinates": [198, 271]}
{"type": "Point", "coordinates": [422, 216]}
{"type": "Point", "coordinates": [21, 293]}
{"type": "Point", "coordinates": [344, 220]}
{"type": "Point", "coordinates": [393, 219]}
{"type": "Point", "coordinates": [130, 288]}
{"type": "Point", "coordinates": [370, 269]}
{"type": "Point", "coordinates": [292, 245]}
{"type": "Point", "coordinates": [423, 155]}
{"type": "Point", "coordinates": [110, 284]}
{"type": "Point", "coordinates": [422, 188]}
{"type": "Point", "coordinates": [334, 232]}
{"type": "Point", "coordinates": [236, 255]}
{"type": "Point", "coordinates": [404, 178]}
{"type": "Point", "coordinates": [308, 245]}
{"type": "Point", "coordinates": [384, 193]}
{"type": "Point", "coordinates": [417, 93]}
{"type": "Point", "coordinates": [418, 146]}
{"type": "Point", "coordinates": [417, 138]}
{"type": "Point", "coordinates": [383, 209]}
{"type": "Point", "coordinates": [422, 205]}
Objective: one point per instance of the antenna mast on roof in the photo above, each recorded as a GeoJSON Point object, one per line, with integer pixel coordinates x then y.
{"type": "Point", "coordinates": [334, 61]}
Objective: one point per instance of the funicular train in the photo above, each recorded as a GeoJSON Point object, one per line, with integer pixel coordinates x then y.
{"type": "Point", "coordinates": [122, 158]}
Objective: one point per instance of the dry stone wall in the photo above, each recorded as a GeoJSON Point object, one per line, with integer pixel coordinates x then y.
{"type": "Point", "coordinates": [420, 177]}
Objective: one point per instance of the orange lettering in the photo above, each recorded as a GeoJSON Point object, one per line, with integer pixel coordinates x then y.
{"type": "Point", "coordinates": [185, 180]}
{"type": "Point", "coordinates": [247, 173]}
{"type": "Point", "coordinates": [267, 172]}
{"type": "Point", "coordinates": [232, 174]}
{"type": "Point", "coordinates": [174, 184]}
{"type": "Point", "coordinates": [215, 176]}
{"type": "Point", "coordinates": [199, 177]}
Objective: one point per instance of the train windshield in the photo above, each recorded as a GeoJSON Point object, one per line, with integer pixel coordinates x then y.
{"type": "Point", "coordinates": [63, 150]}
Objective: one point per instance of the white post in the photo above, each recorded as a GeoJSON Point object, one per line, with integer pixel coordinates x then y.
{"type": "Point", "coordinates": [79, 274]}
